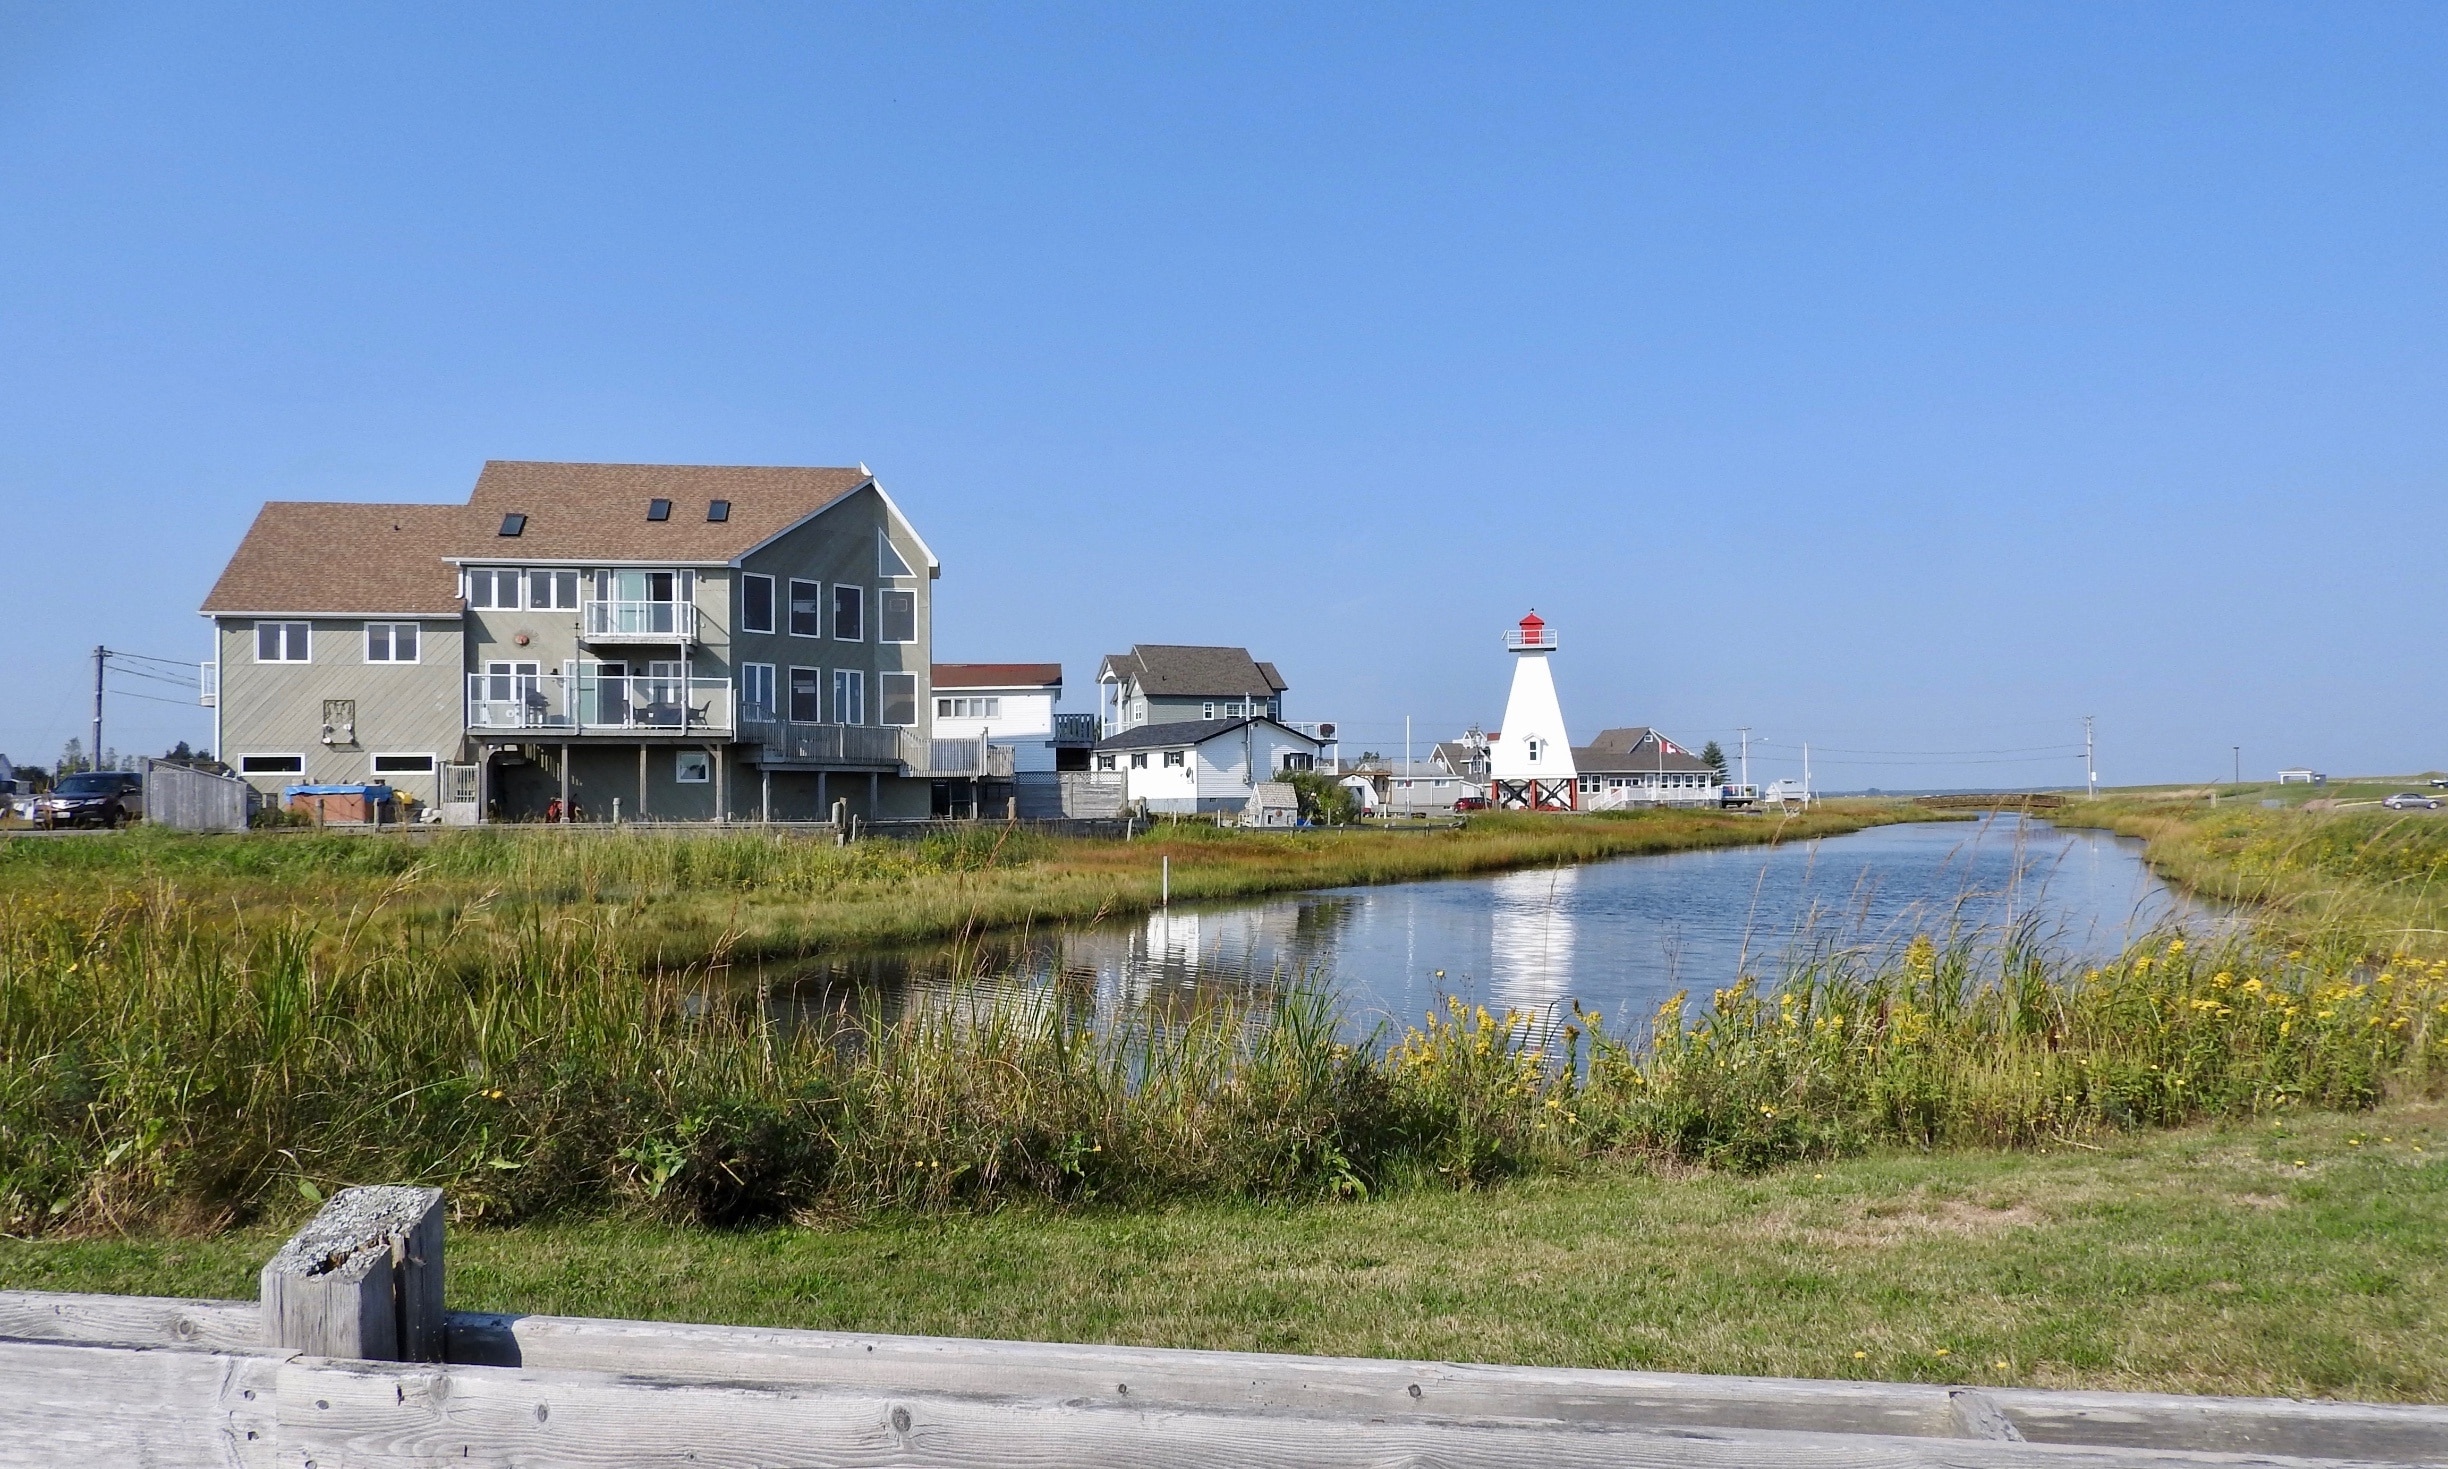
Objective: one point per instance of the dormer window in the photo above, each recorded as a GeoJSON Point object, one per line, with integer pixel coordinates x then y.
{"type": "Point", "coordinates": [514, 524]}
{"type": "Point", "coordinates": [718, 510]}
{"type": "Point", "coordinates": [658, 510]}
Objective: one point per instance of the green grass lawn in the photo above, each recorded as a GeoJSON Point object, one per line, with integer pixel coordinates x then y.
{"type": "Point", "coordinates": [2308, 1258]}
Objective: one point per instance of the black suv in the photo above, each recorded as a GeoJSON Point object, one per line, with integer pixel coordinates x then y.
{"type": "Point", "coordinates": [92, 798]}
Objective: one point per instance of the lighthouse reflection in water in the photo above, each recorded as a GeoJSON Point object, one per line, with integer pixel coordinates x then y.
{"type": "Point", "coordinates": [1617, 936]}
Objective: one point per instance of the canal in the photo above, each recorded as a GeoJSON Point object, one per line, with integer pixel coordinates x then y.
{"type": "Point", "coordinates": [1619, 936]}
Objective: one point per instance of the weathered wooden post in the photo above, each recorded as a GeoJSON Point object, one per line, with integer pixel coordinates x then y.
{"type": "Point", "coordinates": [362, 1279]}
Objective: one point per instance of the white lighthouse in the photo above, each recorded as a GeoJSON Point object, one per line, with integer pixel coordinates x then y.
{"type": "Point", "coordinates": [1530, 763]}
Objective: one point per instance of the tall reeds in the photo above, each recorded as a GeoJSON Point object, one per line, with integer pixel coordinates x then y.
{"type": "Point", "coordinates": [156, 1071]}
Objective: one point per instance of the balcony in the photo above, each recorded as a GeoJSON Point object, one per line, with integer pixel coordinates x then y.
{"type": "Point", "coordinates": [584, 703]}
{"type": "Point", "coordinates": [974, 759]}
{"type": "Point", "coordinates": [1075, 729]}
{"type": "Point", "coordinates": [637, 622]}
{"type": "Point", "coordinates": [1544, 640]}
{"type": "Point", "coordinates": [847, 746]}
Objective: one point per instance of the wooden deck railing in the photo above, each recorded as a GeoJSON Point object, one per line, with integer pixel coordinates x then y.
{"type": "Point", "coordinates": [96, 1381]}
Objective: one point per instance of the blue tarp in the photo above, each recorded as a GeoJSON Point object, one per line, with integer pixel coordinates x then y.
{"type": "Point", "coordinates": [371, 793]}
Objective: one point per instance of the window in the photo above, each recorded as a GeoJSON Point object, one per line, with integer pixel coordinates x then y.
{"type": "Point", "coordinates": [1105, 762]}
{"type": "Point", "coordinates": [1531, 748]}
{"type": "Point", "coordinates": [281, 642]}
{"type": "Point", "coordinates": [849, 696]}
{"type": "Point", "coordinates": [756, 603]}
{"type": "Point", "coordinates": [968, 708]}
{"type": "Point", "coordinates": [553, 590]}
{"type": "Point", "coordinates": [658, 510]}
{"type": "Point", "coordinates": [807, 609]}
{"type": "Point", "coordinates": [271, 765]}
{"type": "Point", "coordinates": [692, 767]}
{"type": "Point", "coordinates": [896, 616]}
{"type": "Point", "coordinates": [718, 511]}
{"type": "Point", "coordinates": [403, 764]}
{"type": "Point", "coordinates": [492, 586]}
{"type": "Point", "coordinates": [1207, 710]}
{"type": "Point", "coordinates": [756, 691]}
{"type": "Point", "coordinates": [897, 698]}
{"type": "Point", "coordinates": [391, 642]}
{"type": "Point", "coordinates": [514, 524]}
{"type": "Point", "coordinates": [1139, 760]}
{"type": "Point", "coordinates": [1301, 760]}
{"type": "Point", "coordinates": [1173, 759]}
{"type": "Point", "coordinates": [807, 696]}
{"type": "Point", "coordinates": [890, 562]}
{"type": "Point", "coordinates": [849, 613]}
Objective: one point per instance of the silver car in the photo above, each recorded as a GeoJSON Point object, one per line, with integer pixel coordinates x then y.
{"type": "Point", "coordinates": [2411, 801]}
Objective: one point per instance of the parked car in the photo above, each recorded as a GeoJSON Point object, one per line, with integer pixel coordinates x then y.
{"type": "Point", "coordinates": [92, 798]}
{"type": "Point", "coordinates": [1471, 803]}
{"type": "Point", "coordinates": [2411, 801]}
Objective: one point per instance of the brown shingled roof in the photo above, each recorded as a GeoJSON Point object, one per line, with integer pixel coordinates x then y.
{"type": "Point", "coordinates": [598, 511]}
{"type": "Point", "coordinates": [308, 556]}
{"type": "Point", "coordinates": [1177, 670]}
{"type": "Point", "coordinates": [995, 675]}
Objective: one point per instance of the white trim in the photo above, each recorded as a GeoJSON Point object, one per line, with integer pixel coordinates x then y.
{"type": "Point", "coordinates": [934, 567]}
{"type": "Point", "coordinates": [858, 681]}
{"type": "Point", "coordinates": [271, 755]}
{"type": "Point", "coordinates": [391, 640]}
{"type": "Point", "coordinates": [330, 616]}
{"type": "Point", "coordinates": [255, 634]}
{"type": "Point", "coordinates": [773, 604]}
{"type": "Point", "coordinates": [790, 709]}
{"type": "Point", "coordinates": [769, 701]}
{"type": "Point", "coordinates": [889, 591]}
{"type": "Point", "coordinates": [884, 544]}
{"type": "Point", "coordinates": [833, 613]}
{"type": "Point", "coordinates": [685, 760]}
{"type": "Point", "coordinates": [625, 563]}
{"type": "Point", "coordinates": [824, 612]}
{"type": "Point", "coordinates": [884, 701]}
{"type": "Point", "coordinates": [433, 762]}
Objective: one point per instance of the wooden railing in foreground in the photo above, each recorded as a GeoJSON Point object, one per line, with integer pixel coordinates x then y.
{"type": "Point", "coordinates": [95, 1381]}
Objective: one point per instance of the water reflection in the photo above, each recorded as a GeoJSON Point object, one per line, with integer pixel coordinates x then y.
{"type": "Point", "coordinates": [1618, 936]}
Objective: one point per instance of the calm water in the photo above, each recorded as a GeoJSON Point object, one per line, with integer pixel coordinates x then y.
{"type": "Point", "coordinates": [1619, 936]}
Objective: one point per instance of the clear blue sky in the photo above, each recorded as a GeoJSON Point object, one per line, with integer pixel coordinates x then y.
{"type": "Point", "coordinates": [1898, 378]}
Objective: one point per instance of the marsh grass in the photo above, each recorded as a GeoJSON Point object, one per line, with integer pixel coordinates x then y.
{"type": "Point", "coordinates": [160, 1071]}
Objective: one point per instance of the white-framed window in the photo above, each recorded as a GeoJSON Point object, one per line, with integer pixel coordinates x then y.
{"type": "Point", "coordinates": [271, 765]}
{"type": "Point", "coordinates": [849, 696]}
{"type": "Point", "coordinates": [757, 690]}
{"type": "Point", "coordinates": [391, 642]}
{"type": "Point", "coordinates": [1207, 710]}
{"type": "Point", "coordinates": [1105, 762]}
{"type": "Point", "coordinates": [897, 699]}
{"type": "Point", "coordinates": [1532, 747]}
{"type": "Point", "coordinates": [807, 695]}
{"type": "Point", "coordinates": [1138, 759]}
{"type": "Point", "coordinates": [553, 590]}
{"type": "Point", "coordinates": [968, 708]}
{"type": "Point", "coordinates": [1138, 711]}
{"type": "Point", "coordinates": [756, 602]}
{"type": "Point", "coordinates": [692, 767]}
{"type": "Point", "coordinates": [896, 615]}
{"type": "Point", "coordinates": [283, 642]}
{"type": "Point", "coordinates": [1173, 759]}
{"type": "Point", "coordinates": [403, 765]}
{"type": "Point", "coordinates": [889, 560]}
{"type": "Point", "coordinates": [493, 587]}
{"type": "Point", "coordinates": [1302, 760]}
{"type": "Point", "coordinates": [806, 608]}
{"type": "Point", "coordinates": [849, 613]}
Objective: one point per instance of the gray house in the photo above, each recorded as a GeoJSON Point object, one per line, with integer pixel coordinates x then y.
{"type": "Point", "coordinates": [684, 641]}
{"type": "Point", "coordinates": [1167, 683]}
{"type": "Point", "coordinates": [1638, 766]}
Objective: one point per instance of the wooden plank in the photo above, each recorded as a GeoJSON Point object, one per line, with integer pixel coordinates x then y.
{"type": "Point", "coordinates": [1335, 1385]}
{"type": "Point", "coordinates": [370, 1415]}
{"type": "Point", "coordinates": [135, 1320]}
{"type": "Point", "coordinates": [362, 1279]}
{"type": "Point", "coordinates": [1977, 1415]}
{"type": "Point", "coordinates": [67, 1403]}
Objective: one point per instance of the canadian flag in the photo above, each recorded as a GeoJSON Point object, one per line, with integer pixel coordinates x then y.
{"type": "Point", "coordinates": [1668, 746]}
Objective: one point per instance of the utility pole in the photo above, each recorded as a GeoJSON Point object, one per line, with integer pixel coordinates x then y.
{"type": "Point", "coordinates": [1746, 756]}
{"type": "Point", "coordinates": [94, 760]}
{"type": "Point", "coordinates": [2090, 767]}
{"type": "Point", "coordinates": [2239, 763]}
{"type": "Point", "coordinates": [1806, 791]}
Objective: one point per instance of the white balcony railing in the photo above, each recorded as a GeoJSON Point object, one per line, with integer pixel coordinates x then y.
{"type": "Point", "coordinates": [1544, 638]}
{"type": "Point", "coordinates": [208, 685]}
{"type": "Point", "coordinates": [614, 621]}
{"type": "Point", "coordinates": [592, 703]}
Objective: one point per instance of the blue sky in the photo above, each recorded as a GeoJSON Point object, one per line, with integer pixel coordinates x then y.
{"type": "Point", "coordinates": [1904, 379]}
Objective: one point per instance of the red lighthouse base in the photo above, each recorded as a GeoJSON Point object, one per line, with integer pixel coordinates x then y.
{"type": "Point", "coordinates": [1535, 795]}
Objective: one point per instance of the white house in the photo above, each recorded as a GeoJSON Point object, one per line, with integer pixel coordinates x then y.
{"type": "Point", "coordinates": [2301, 775]}
{"type": "Point", "coordinates": [1639, 767]}
{"type": "Point", "coordinates": [1210, 766]}
{"type": "Point", "coordinates": [1530, 761]}
{"type": "Point", "coordinates": [1003, 704]}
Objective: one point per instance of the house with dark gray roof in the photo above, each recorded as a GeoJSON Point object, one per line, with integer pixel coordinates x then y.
{"type": "Point", "coordinates": [682, 641]}
{"type": "Point", "coordinates": [1638, 766]}
{"type": "Point", "coordinates": [1164, 683]}
{"type": "Point", "coordinates": [1204, 766]}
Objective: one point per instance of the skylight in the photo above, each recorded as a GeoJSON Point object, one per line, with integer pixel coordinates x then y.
{"type": "Point", "coordinates": [658, 510]}
{"type": "Point", "coordinates": [513, 524]}
{"type": "Point", "coordinates": [718, 510]}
